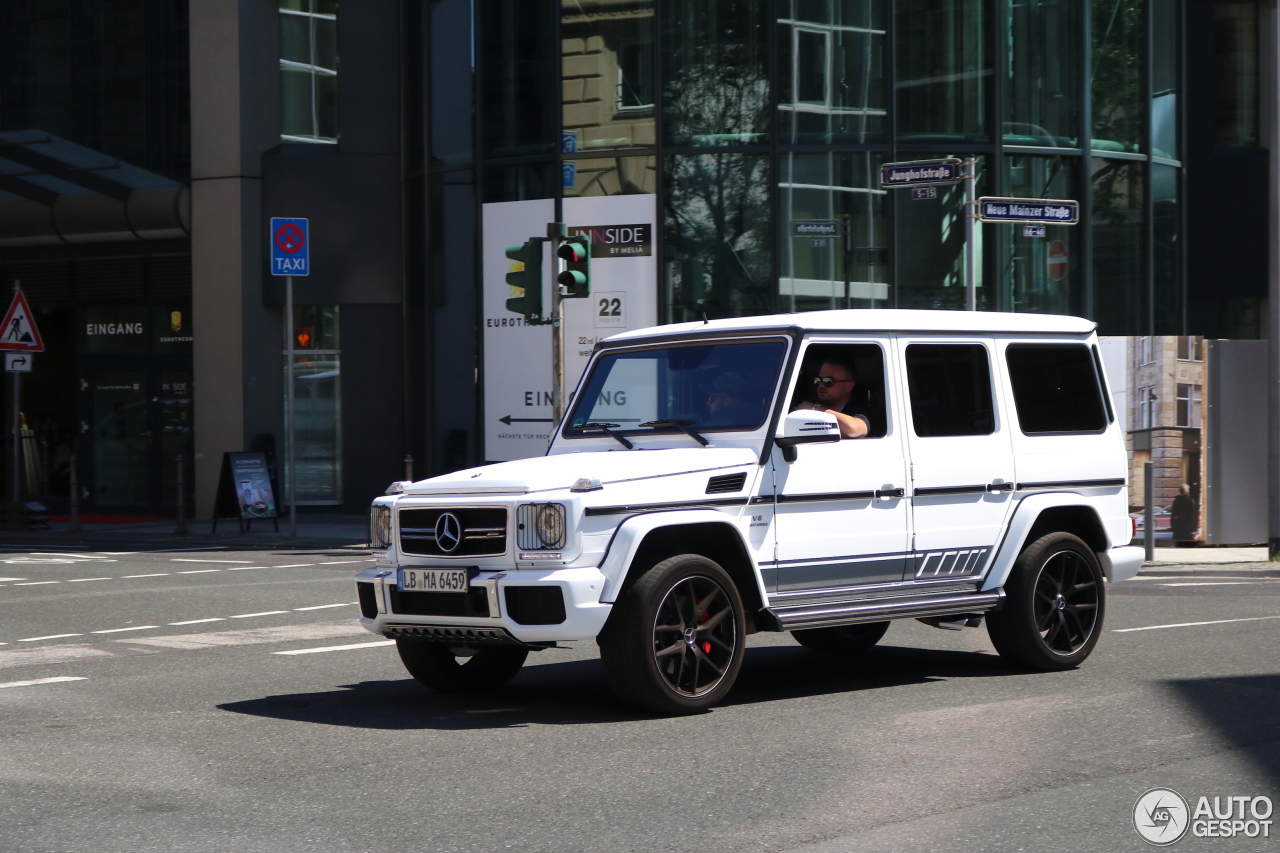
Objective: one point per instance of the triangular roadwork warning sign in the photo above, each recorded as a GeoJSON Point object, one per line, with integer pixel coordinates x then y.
{"type": "Point", "coordinates": [18, 331]}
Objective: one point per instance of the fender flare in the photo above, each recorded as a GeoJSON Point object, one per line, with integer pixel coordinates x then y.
{"type": "Point", "coordinates": [631, 533]}
{"type": "Point", "coordinates": [1024, 517]}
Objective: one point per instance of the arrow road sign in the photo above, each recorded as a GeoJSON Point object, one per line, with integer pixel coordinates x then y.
{"type": "Point", "coordinates": [290, 247]}
{"type": "Point", "coordinates": [921, 173]}
{"type": "Point", "coordinates": [18, 329]}
{"type": "Point", "coordinates": [1037, 211]}
{"type": "Point", "coordinates": [508, 420]}
{"type": "Point", "coordinates": [17, 362]}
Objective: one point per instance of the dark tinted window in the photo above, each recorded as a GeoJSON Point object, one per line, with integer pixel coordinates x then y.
{"type": "Point", "coordinates": [1055, 388]}
{"type": "Point", "coordinates": [950, 387]}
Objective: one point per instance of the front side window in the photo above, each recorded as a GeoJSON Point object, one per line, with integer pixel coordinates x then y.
{"type": "Point", "coordinates": [950, 387]}
{"type": "Point", "coordinates": [1055, 388]}
{"type": "Point", "coordinates": [309, 70]}
{"type": "Point", "coordinates": [705, 387]}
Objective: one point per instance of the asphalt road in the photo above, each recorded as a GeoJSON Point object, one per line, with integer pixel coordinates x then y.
{"type": "Point", "coordinates": [149, 702]}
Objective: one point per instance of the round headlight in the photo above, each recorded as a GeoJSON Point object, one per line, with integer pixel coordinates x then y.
{"type": "Point", "coordinates": [551, 525]}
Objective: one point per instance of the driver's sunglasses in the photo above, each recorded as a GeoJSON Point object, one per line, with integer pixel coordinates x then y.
{"type": "Point", "coordinates": [827, 381]}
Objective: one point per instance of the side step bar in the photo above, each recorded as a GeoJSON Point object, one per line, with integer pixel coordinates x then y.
{"type": "Point", "coordinates": [879, 610]}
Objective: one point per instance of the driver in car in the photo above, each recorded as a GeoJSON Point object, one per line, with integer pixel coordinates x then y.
{"type": "Point", "coordinates": [833, 387]}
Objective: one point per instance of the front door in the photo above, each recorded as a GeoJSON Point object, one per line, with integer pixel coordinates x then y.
{"type": "Point", "coordinates": [136, 419]}
{"type": "Point", "coordinates": [841, 510]}
{"type": "Point", "coordinates": [961, 455]}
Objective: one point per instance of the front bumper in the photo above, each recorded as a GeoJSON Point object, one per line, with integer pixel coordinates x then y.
{"type": "Point", "coordinates": [506, 596]}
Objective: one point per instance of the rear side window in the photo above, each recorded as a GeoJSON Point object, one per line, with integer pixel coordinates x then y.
{"type": "Point", "coordinates": [950, 386]}
{"type": "Point", "coordinates": [1055, 388]}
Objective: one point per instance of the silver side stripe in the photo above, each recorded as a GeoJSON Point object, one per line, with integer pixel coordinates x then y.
{"type": "Point", "coordinates": [950, 564]}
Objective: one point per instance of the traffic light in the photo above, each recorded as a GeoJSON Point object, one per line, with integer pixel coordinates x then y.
{"type": "Point", "coordinates": [576, 278]}
{"type": "Point", "coordinates": [525, 276]}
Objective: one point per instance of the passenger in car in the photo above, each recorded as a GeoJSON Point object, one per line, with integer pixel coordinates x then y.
{"type": "Point", "coordinates": [833, 386]}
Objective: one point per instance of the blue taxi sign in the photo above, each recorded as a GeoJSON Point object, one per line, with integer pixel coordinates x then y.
{"type": "Point", "coordinates": [290, 247]}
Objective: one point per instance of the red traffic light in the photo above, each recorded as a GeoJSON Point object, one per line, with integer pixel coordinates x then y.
{"type": "Point", "coordinates": [570, 252]}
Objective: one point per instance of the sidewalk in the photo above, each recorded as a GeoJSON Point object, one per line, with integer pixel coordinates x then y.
{"type": "Point", "coordinates": [314, 531]}
{"type": "Point", "coordinates": [1211, 562]}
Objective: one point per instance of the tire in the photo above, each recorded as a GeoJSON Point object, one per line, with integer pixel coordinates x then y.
{"type": "Point", "coordinates": [1054, 606]}
{"type": "Point", "coordinates": [460, 669]}
{"type": "Point", "coordinates": [674, 643]}
{"type": "Point", "coordinates": [843, 639]}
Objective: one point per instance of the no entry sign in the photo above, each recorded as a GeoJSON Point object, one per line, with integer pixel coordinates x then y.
{"type": "Point", "coordinates": [290, 247]}
{"type": "Point", "coordinates": [1057, 260]}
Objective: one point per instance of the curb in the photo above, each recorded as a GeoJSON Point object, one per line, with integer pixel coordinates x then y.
{"type": "Point", "coordinates": [1253, 570]}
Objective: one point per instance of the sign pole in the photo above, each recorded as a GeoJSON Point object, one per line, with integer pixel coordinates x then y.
{"type": "Point", "coordinates": [289, 425]}
{"type": "Point", "coordinates": [970, 250]}
{"type": "Point", "coordinates": [17, 429]}
{"type": "Point", "coordinates": [556, 232]}
{"type": "Point", "coordinates": [847, 232]}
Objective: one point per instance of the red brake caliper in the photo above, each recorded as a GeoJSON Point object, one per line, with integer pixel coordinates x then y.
{"type": "Point", "coordinates": [706, 644]}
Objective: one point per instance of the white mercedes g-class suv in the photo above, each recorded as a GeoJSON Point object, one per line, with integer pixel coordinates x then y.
{"type": "Point", "coordinates": [820, 473]}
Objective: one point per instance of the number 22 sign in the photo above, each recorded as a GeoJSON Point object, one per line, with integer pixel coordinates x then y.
{"type": "Point", "coordinates": [609, 309]}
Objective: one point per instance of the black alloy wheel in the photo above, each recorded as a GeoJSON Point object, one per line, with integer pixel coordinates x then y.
{"type": "Point", "coordinates": [842, 639]}
{"type": "Point", "coordinates": [460, 669]}
{"type": "Point", "coordinates": [1055, 606]}
{"type": "Point", "coordinates": [675, 642]}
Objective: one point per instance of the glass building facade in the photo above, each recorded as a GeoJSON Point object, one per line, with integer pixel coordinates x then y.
{"type": "Point", "coordinates": [745, 117]}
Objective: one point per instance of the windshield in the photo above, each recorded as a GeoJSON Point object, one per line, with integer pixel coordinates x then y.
{"type": "Point", "coordinates": [708, 387]}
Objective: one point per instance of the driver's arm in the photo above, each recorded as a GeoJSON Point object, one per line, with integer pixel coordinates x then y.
{"type": "Point", "coordinates": [851, 426]}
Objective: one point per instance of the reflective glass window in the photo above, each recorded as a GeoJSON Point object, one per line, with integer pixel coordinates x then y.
{"type": "Point", "coordinates": [1117, 75]}
{"type": "Point", "coordinates": [1165, 65]}
{"type": "Point", "coordinates": [1041, 275]}
{"type": "Point", "coordinates": [1166, 249]}
{"type": "Point", "coordinates": [930, 239]}
{"type": "Point", "coordinates": [520, 65]}
{"type": "Point", "coordinates": [833, 238]}
{"type": "Point", "coordinates": [716, 221]}
{"type": "Point", "coordinates": [1235, 47]}
{"type": "Point", "coordinates": [452, 59]}
{"type": "Point", "coordinates": [1119, 287]}
{"type": "Point", "coordinates": [309, 70]}
{"type": "Point", "coordinates": [715, 72]}
{"type": "Point", "coordinates": [1042, 90]}
{"type": "Point", "coordinates": [610, 176]}
{"type": "Point", "coordinates": [607, 81]}
{"type": "Point", "coordinates": [317, 404]}
{"type": "Point", "coordinates": [943, 70]}
{"type": "Point", "coordinates": [519, 183]}
{"type": "Point", "coordinates": [831, 71]}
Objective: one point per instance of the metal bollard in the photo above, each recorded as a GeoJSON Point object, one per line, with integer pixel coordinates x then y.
{"type": "Point", "coordinates": [408, 467]}
{"type": "Point", "coordinates": [74, 527]}
{"type": "Point", "coordinates": [182, 499]}
{"type": "Point", "coordinates": [1149, 511]}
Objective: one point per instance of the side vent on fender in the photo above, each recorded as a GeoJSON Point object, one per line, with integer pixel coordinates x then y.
{"type": "Point", "coordinates": [726, 483]}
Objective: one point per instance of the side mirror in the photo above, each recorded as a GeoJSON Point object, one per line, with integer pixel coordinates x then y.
{"type": "Point", "coordinates": [806, 427]}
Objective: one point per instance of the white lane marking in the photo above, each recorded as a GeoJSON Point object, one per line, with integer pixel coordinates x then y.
{"type": "Point", "coordinates": [192, 560]}
{"type": "Point", "coordinates": [1192, 624]}
{"type": "Point", "coordinates": [155, 575]}
{"type": "Point", "coordinates": [1214, 583]}
{"type": "Point", "coordinates": [198, 621]}
{"type": "Point", "coordinates": [56, 679]}
{"type": "Point", "coordinates": [78, 556]}
{"type": "Point", "coordinates": [320, 649]}
{"type": "Point", "coordinates": [122, 630]}
{"type": "Point", "coordinates": [86, 580]}
{"type": "Point", "coordinates": [51, 561]}
{"type": "Point", "coordinates": [170, 550]}
{"type": "Point", "coordinates": [295, 565]}
{"type": "Point", "coordinates": [324, 606]}
{"type": "Point", "coordinates": [199, 571]}
{"type": "Point", "coordinates": [264, 613]}
{"type": "Point", "coordinates": [7, 580]}
{"type": "Point", "coordinates": [248, 636]}
{"type": "Point", "coordinates": [343, 562]}
{"type": "Point", "coordinates": [36, 583]}
{"type": "Point", "coordinates": [245, 568]}
{"type": "Point", "coordinates": [50, 637]}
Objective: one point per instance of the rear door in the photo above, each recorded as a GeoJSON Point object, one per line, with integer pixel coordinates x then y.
{"type": "Point", "coordinates": [962, 461]}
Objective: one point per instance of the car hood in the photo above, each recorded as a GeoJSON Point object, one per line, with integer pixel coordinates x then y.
{"type": "Point", "coordinates": [550, 473]}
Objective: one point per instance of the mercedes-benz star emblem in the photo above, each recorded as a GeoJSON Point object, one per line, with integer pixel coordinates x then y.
{"type": "Point", "coordinates": [448, 532]}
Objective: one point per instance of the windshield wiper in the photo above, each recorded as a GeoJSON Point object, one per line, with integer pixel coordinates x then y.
{"type": "Point", "coordinates": [608, 429]}
{"type": "Point", "coordinates": [680, 425]}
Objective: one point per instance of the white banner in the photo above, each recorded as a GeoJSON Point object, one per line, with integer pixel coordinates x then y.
{"type": "Point", "coordinates": [517, 358]}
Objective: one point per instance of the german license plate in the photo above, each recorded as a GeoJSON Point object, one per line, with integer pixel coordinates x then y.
{"type": "Point", "coordinates": [434, 580]}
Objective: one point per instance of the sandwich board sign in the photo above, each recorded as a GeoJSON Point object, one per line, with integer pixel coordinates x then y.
{"type": "Point", "coordinates": [18, 331]}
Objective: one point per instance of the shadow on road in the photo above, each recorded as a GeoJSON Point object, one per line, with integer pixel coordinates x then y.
{"type": "Point", "coordinates": [576, 692]}
{"type": "Point", "coordinates": [1244, 710]}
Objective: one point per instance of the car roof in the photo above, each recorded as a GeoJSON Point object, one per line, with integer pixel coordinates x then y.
{"type": "Point", "coordinates": [877, 320]}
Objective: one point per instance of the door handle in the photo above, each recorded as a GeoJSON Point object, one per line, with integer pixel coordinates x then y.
{"type": "Point", "coordinates": [891, 492]}
{"type": "Point", "coordinates": [999, 487]}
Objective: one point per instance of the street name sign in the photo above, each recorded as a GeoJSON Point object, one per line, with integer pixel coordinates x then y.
{"type": "Point", "coordinates": [18, 330]}
{"type": "Point", "coordinates": [815, 228]}
{"type": "Point", "coordinates": [1034, 211]}
{"type": "Point", "coordinates": [290, 247]}
{"type": "Point", "coordinates": [921, 173]}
